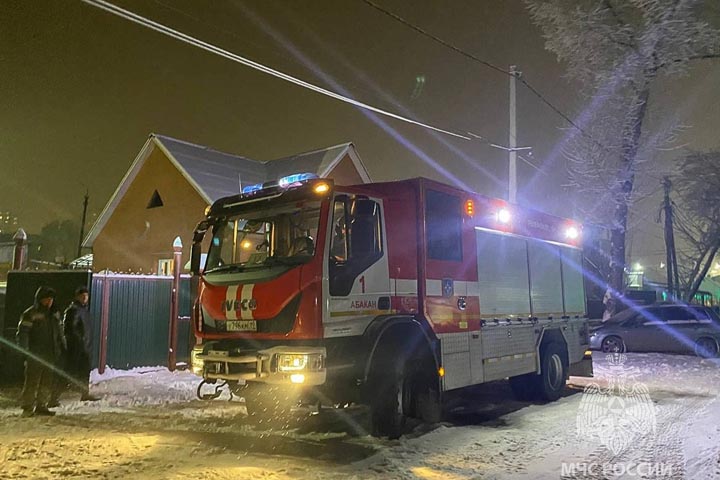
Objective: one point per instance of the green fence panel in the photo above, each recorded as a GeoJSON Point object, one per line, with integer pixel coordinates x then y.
{"type": "Point", "coordinates": [138, 319]}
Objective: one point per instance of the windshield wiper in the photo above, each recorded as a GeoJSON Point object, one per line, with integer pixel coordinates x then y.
{"type": "Point", "coordinates": [227, 268]}
{"type": "Point", "coordinates": [296, 260]}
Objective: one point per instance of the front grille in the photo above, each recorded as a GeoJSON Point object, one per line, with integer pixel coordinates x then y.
{"type": "Point", "coordinates": [283, 322]}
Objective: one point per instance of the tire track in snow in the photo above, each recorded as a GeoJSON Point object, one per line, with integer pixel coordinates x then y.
{"type": "Point", "coordinates": [662, 452]}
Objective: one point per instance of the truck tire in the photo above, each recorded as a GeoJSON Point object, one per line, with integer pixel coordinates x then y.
{"type": "Point", "coordinates": [402, 387]}
{"type": "Point", "coordinates": [389, 397]}
{"type": "Point", "coordinates": [550, 384]}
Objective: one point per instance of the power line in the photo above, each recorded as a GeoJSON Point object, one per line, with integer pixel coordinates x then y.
{"type": "Point", "coordinates": [558, 111]}
{"type": "Point", "coordinates": [437, 39]}
{"type": "Point", "coordinates": [533, 165]}
{"type": "Point", "coordinates": [158, 27]}
{"type": "Point", "coordinates": [462, 52]}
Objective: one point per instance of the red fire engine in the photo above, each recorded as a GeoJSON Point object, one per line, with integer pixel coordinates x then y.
{"type": "Point", "coordinates": [389, 294]}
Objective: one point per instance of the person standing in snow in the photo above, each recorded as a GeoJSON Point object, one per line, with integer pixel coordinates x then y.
{"type": "Point", "coordinates": [78, 327]}
{"type": "Point", "coordinates": [40, 335]}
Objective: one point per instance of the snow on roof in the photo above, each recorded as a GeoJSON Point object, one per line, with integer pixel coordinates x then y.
{"type": "Point", "coordinates": [85, 261]}
{"type": "Point", "coordinates": [220, 174]}
{"type": "Point", "coordinates": [215, 174]}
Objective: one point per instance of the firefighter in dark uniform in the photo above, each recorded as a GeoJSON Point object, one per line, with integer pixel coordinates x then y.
{"type": "Point", "coordinates": [40, 334]}
{"type": "Point", "coordinates": [78, 327]}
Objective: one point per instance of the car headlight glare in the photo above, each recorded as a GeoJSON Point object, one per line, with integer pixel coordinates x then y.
{"type": "Point", "coordinates": [295, 362]}
{"type": "Point", "coordinates": [291, 362]}
{"type": "Point", "coordinates": [197, 364]}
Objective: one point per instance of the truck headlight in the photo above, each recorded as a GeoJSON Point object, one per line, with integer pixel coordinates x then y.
{"type": "Point", "coordinates": [295, 362]}
{"type": "Point", "coordinates": [197, 364]}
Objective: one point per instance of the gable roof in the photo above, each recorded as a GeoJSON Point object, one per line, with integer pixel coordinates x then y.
{"type": "Point", "coordinates": [217, 174]}
{"type": "Point", "coordinates": [320, 162]}
{"type": "Point", "coordinates": [214, 174]}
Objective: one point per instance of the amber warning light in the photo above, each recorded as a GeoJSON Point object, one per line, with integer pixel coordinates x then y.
{"type": "Point", "coordinates": [470, 208]}
{"type": "Point", "coordinates": [321, 187]}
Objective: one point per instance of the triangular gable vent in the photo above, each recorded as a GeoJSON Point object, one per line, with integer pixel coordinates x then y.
{"type": "Point", "coordinates": [155, 200]}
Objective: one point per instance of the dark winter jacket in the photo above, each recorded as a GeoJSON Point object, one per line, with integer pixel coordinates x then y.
{"type": "Point", "coordinates": [40, 332]}
{"type": "Point", "coordinates": [78, 327]}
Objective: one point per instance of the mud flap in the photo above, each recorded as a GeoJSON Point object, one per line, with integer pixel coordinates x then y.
{"type": "Point", "coordinates": [583, 368]}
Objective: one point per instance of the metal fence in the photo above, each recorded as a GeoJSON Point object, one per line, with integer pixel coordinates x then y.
{"type": "Point", "coordinates": [132, 319]}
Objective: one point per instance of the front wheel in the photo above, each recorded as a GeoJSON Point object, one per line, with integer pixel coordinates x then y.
{"type": "Point", "coordinates": [401, 389]}
{"type": "Point", "coordinates": [613, 344]}
{"type": "Point", "coordinates": [706, 348]}
{"type": "Point", "coordinates": [390, 398]}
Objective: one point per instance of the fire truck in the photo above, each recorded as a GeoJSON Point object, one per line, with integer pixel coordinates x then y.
{"type": "Point", "coordinates": [389, 294]}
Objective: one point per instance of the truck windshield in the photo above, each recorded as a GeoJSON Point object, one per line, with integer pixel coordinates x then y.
{"type": "Point", "coordinates": [282, 234]}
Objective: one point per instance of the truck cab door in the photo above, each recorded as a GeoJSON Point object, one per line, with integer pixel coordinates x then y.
{"type": "Point", "coordinates": [358, 286]}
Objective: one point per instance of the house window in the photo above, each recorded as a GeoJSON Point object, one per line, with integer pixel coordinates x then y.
{"type": "Point", "coordinates": [155, 200]}
{"type": "Point", "coordinates": [165, 267]}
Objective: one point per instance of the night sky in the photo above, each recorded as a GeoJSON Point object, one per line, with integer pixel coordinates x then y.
{"type": "Point", "coordinates": [81, 89]}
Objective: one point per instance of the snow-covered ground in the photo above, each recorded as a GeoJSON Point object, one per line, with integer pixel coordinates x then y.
{"type": "Point", "coordinates": [642, 416]}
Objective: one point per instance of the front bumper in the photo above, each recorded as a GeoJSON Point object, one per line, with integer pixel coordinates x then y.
{"type": "Point", "coordinates": [595, 341]}
{"type": "Point", "coordinates": [276, 365]}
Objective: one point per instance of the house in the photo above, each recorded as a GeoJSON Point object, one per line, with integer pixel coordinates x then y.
{"type": "Point", "coordinates": [170, 184]}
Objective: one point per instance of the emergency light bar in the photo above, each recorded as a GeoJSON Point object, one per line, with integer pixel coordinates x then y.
{"type": "Point", "coordinates": [285, 182]}
{"type": "Point", "coordinates": [293, 180]}
{"type": "Point", "coordinates": [252, 188]}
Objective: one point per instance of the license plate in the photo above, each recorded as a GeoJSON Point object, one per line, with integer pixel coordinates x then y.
{"type": "Point", "coordinates": [241, 326]}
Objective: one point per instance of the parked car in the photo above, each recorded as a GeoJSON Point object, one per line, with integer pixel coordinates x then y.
{"type": "Point", "coordinates": [667, 327]}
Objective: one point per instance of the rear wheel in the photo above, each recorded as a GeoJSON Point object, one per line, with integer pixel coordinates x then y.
{"type": "Point", "coordinates": [706, 347]}
{"type": "Point", "coordinates": [553, 371]}
{"type": "Point", "coordinates": [613, 344]}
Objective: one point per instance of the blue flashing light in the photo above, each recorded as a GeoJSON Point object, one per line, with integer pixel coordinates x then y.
{"type": "Point", "coordinates": [285, 182]}
{"type": "Point", "coordinates": [252, 189]}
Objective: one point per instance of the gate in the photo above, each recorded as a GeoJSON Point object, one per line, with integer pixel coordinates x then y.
{"type": "Point", "coordinates": [135, 312]}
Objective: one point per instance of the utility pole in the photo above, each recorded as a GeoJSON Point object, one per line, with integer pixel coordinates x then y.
{"type": "Point", "coordinates": [512, 147]}
{"type": "Point", "coordinates": [82, 224]}
{"type": "Point", "coordinates": [670, 254]}
{"type": "Point", "coordinates": [512, 176]}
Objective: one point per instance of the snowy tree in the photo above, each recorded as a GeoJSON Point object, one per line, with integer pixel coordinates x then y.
{"type": "Point", "coordinates": [617, 50]}
{"type": "Point", "coordinates": [697, 218]}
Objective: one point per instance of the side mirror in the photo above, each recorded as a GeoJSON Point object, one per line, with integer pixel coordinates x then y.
{"type": "Point", "coordinates": [195, 253]}
{"type": "Point", "coordinates": [200, 231]}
